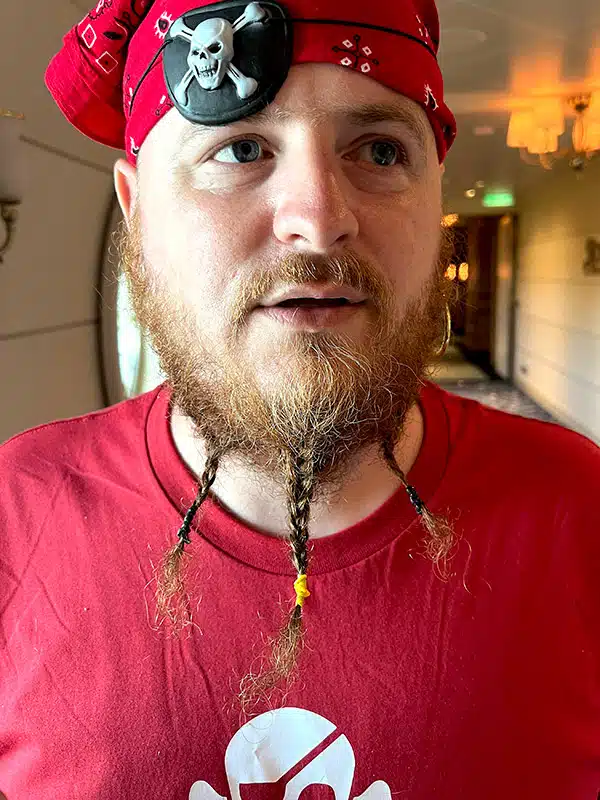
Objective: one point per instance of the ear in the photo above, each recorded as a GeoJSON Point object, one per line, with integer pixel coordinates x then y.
{"type": "Point", "coordinates": [126, 187]}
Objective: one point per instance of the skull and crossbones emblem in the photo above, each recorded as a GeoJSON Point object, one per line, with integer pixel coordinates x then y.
{"type": "Point", "coordinates": [263, 758]}
{"type": "Point", "coordinates": [211, 53]}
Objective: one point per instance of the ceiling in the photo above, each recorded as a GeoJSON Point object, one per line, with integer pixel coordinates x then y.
{"type": "Point", "coordinates": [495, 54]}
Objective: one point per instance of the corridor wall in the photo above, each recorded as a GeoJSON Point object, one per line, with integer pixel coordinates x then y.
{"type": "Point", "coordinates": [557, 355]}
{"type": "Point", "coordinates": [48, 301]}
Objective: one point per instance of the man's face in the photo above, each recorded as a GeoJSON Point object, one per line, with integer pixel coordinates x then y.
{"type": "Point", "coordinates": [338, 181]}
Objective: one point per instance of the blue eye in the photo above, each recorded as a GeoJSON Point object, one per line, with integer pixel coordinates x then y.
{"type": "Point", "coordinates": [244, 151]}
{"type": "Point", "coordinates": [384, 154]}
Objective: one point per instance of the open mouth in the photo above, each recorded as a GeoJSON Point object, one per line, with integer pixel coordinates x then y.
{"type": "Point", "coordinates": [313, 302]}
{"type": "Point", "coordinates": [313, 313]}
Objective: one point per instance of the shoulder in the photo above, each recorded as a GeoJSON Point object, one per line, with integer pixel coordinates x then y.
{"type": "Point", "coordinates": [531, 449]}
{"type": "Point", "coordinates": [494, 424]}
{"type": "Point", "coordinates": [539, 479]}
{"type": "Point", "coordinates": [46, 470]}
{"type": "Point", "coordinates": [49, 448]}
{"type": "Point", "coordinates": [41, 464]}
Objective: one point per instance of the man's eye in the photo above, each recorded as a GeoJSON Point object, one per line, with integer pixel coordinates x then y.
{"type": "Point", "coordinates": [383, 153]}
{"type": "Point", "coordinates": [244, 151]}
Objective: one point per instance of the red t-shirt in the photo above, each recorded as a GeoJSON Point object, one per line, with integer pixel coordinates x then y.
{"type": "Point", "coordinates": [486, 687]}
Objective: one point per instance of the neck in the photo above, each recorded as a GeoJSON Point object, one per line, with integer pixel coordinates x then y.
{"type": "Point", "coordinates": [367, 485]}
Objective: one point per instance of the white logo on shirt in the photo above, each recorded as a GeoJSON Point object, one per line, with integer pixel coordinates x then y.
{"type": "Point", "coordinates": [269, 747]}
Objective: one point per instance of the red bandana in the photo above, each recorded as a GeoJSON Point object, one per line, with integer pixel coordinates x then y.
{"type": "Point", "coordinates": [105, 56]}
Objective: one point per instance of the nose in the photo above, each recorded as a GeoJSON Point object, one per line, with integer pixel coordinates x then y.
{"type": "Point", "coordinates": [313, 210]}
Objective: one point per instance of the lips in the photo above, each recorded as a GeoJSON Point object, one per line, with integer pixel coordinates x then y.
{"type": "Point", "coordinates": [312, 317]}
{"type": "Point", "coordinates": [314, 293]}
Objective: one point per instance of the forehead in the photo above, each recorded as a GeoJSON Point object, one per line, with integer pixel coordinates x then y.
{"type": "Point", "coordinates": [313, 95]}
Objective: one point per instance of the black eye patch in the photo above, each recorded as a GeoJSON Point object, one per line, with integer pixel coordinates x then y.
{"type": "Point", "coordinates": [227, 61]}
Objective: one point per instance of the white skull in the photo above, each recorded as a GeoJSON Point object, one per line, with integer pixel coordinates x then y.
{"type": "Point", "coordinates": [266, 748]}
{"type": "Point", "coordinates": [265, 751]}
{"type": "Point", "coordinates": [211, 51]}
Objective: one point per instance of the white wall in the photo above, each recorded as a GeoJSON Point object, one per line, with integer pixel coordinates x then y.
{"type": "Point", "coordinates": [558, 317]}
{"type": "Point", "coordinates": [49, 364]}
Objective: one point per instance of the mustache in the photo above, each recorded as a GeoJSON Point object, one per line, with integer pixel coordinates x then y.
{"type": "Point", "coordinates": [345, 269]}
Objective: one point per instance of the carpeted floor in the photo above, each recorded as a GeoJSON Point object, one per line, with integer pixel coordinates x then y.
{"type": "Point", "coordinates": [499, 394]}
{"type": "Point", "coordinates": [459, 376]}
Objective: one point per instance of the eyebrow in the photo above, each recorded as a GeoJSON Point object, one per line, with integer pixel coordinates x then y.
{"type": "Point", "coordinates": [361, 117]}
{"type": "Point", "coordinates": [364, 116]}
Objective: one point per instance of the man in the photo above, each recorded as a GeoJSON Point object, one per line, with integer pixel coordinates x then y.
{"type": "Point", "coordinates": [435, 632]}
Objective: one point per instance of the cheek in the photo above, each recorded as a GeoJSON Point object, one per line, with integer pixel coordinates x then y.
{"type": "Point", "coordinates": [425, 219]}
{"type": "Point", "coordinates": [404, 243]}
{"type": "Point", "coordinates": [197, 246]}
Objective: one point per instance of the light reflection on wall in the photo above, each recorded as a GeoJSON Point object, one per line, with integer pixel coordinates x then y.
{"type": "Point", "coordinates": [138, 364]}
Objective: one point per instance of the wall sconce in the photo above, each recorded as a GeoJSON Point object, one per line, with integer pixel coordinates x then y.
{"type": "Point", "coordinates": [9, 179]}
{"type": "Point", "coordinates": [8, 214]}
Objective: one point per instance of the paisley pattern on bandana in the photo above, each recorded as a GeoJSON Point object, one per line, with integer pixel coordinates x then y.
{"type": "Point", "coordinates": [103, 5]}
{"type": "Point", "coordinates": [125, 24]}
{"type": "Point", "coordinates": [356, 57]}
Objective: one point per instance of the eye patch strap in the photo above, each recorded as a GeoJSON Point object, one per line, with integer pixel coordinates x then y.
{"type": "Point", "coordinates": [310, 21]}
{"type": "Point", "coordinates": [147, 70]}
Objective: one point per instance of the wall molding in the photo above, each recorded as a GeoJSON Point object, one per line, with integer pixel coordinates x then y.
{"type": "Point", "coordinates": [67, 326]}
{"type": "Point", "coordinates": [48, 148]}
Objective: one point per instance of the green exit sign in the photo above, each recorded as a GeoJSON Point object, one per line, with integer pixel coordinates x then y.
{"type": "Point", "coordinates": [498, 200]}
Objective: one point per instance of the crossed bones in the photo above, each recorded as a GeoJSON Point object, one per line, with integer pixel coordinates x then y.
{"type": "Point", "coordinates": [244, 86]}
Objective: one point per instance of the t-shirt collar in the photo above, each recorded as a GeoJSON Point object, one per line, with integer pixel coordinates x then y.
{"type": "Point", "coordinates": [264, 551]}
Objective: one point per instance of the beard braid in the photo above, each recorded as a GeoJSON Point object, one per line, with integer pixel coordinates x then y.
{"type": "Point", "coordinates": [279, 666]}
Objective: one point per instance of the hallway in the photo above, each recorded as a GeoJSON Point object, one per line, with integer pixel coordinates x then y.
{"type": "Point", "coordinates": [457, 375]}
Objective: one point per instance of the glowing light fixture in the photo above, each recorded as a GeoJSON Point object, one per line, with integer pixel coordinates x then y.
{"type": "Point", "coordinates": [549, 115]}
{"type": "Point", "coordinates": [542, 141]}
{"type": "Point", "coordinates": [536, 131]}
{"type": "Point", "coordinates": [463, 271]}
{"type": "Point", "coordinates": [520, 128]}
{"type": "Point", "coordinates": [449, 220]}
{"type": "Point", "coordinates": [451, 272]}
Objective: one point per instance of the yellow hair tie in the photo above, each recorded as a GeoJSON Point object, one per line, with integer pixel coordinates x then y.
{"type": "Point", "coordinates": [301, 590]}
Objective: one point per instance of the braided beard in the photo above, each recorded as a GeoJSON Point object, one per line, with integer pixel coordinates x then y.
{"type": "Point", "coordinates": [343, 396]}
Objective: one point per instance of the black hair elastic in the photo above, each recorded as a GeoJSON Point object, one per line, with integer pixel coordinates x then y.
{"type": "Point", "coordinates": [184, 531]}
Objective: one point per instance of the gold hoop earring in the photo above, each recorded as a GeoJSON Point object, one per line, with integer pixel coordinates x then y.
{"type": "Point", "coordinates": [447, 333]}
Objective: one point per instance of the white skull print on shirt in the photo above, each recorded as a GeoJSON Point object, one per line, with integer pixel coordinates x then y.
{"type": "Point", "coordinates": [265, 755]}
